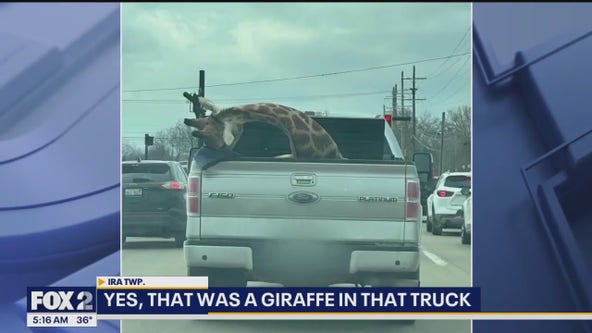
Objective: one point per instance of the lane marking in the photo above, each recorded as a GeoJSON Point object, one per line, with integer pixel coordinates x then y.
{"type": "Point", "coordinates": [437, 260]}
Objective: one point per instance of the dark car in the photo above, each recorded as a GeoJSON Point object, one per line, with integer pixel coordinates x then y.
{"type": "Point", "coordinates": [154, 199]}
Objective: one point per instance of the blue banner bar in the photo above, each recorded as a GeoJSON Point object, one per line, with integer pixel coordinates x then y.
{"type": "Point", "coordinates": [278, 300]}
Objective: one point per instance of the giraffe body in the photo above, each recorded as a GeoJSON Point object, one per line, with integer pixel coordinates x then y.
{"type": "Point", "coordinates": [224, 127]}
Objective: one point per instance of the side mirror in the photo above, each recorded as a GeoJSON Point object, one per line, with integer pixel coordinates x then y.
{"type": "Point", "coordinates": [465, 191]}
{"type": "Point", "coordinates": [423, 163]}
{"type": "Point", "coordinates": [460, 213]}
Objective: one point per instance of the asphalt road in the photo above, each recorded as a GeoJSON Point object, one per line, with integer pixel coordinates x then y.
{"type": "Point", "coordinates": [444, 262]}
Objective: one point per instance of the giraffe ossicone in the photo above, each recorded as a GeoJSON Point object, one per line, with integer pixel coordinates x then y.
{"type": "Point", "coordinates": [223, 128]}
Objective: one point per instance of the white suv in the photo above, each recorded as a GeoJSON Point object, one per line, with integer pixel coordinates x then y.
{"type": "Point", "coordinates": [446, 200]}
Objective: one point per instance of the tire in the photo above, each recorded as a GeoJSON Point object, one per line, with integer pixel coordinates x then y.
{"type": "Point", "coordinates": [429, 224]}
{"type": "Point", "coordinates": [436, 230]}
{"type": "Point", "coordinates": [464, 237]}
{"type": "Point", "coordinates": [220, 277]}
{"type": "Point", "coordinates": [436, 226]}
{"type": "Point", "coordinates": [179, 239]}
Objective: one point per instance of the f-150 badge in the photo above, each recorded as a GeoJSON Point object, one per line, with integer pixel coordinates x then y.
{"type": "Point", "coordinates": [221, 195]}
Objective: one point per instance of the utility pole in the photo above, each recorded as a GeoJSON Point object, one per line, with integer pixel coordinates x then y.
{"type": "Point", "coordinates": [394, 106]}
{"type": "Point", "coordinates": [413, 99]}
{"type": "Point", "coordinates": [395, 100]}
{"type": "Point", "coordinates": [403, 133]}
{"type": "Point", "coordinates": [193, 98]}
{"type": "Point", "coordinates": [202, 83]}
{"type": "Point", "coordinates": [148, 141]}
{"type": "Point", "coordinates": [442, 142]}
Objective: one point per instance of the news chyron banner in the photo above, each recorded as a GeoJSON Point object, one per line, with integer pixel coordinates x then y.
{"type": "Point", "coordinates": [116, 298]}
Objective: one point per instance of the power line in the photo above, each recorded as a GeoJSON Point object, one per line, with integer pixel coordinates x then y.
{"type": "Point", "coordinates": [351, 94]}
{"type": "Point", "coordinates": [423, 144]}
{"type": "Point", "coordinates": [155, 137]}
{"type": "Point", "coordinates": [159, 101]}
{"type": "Point", "coordinates": [459, 89]}
{"type": "Point", "coordinates": [454, 50]}
{"type": "Point", "coordinates": [449, 67]}
{"type": "Point", "coordinates": [304, 76]}
{"type": "Point", "coordinates": [454, 76]}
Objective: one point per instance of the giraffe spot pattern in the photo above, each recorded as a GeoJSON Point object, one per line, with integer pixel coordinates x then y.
{"type": "Point", "coordinates": [322, 141]}
{"type": "Point", "coordinates": [308, 138]}
{"type": "Point", "coordinates": [301, 138]}
{"type": "Point", "coordinates": [298, 123]}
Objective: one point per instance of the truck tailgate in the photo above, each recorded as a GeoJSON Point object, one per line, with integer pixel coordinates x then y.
{"type": "Point", "coordinates": [334, 201]}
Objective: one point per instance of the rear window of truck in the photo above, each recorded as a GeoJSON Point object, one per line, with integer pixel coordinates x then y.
{"type": "Point", "coordinates": [361, 139]}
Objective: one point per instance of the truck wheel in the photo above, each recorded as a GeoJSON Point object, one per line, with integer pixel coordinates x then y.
{"type": "Point", "coordinates": [220, 277]}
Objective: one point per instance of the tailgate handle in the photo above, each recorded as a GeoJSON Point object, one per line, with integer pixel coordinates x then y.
{"type": "Point", "coordinates": [301, 179]}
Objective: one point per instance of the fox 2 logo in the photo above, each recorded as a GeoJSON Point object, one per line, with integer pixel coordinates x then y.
{"type": "Point", "coordinates": [62, 299]}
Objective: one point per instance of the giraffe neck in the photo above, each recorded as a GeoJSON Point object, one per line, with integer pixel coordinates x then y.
{"type": "Point", "coordinates": [242, 115]}
{"type": "Point", "coordinates": [307, 138]}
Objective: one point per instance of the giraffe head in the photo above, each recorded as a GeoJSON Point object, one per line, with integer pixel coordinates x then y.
{"type": "Point", "coordinates": [210, 129]}
{"type": "Point", "coordinates": [216, 131]}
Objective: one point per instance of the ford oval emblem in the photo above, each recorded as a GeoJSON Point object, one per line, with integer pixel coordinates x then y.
{"type": "Point", "coordinates": [303, 197]}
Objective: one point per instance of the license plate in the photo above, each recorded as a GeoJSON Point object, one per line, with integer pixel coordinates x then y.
{"type": "Point", "coordinates": [133, 191]}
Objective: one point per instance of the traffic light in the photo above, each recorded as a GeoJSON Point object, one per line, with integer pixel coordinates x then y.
{"type": "Point", "coordinates": [148, 140]}
{"type": "Point", "coordinates": [389, 119]}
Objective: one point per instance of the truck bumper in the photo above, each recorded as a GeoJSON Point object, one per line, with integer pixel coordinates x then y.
{"type": "Point", "coordinates": [268, 261]}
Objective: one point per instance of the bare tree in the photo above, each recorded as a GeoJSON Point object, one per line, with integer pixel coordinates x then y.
{"type": "Point", "coordinates": [173, 144]}
{"type": "Point", "coordinates": [457, 138]}
{"type": "Point", "coordinates": [130, 152]}
{"type": "Point", "coordinates": [459, 143]}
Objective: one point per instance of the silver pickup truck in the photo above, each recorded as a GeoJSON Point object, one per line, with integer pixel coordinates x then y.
{"type": "Point", "coordinates": [254, 217]}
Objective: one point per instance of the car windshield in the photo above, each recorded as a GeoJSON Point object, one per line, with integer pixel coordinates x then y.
{"type": "Point", "coordinates": [146, 172]}
{"type": "Point", "coordinates": [458, 181]}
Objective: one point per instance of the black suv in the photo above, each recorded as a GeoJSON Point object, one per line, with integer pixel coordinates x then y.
{"type": "Point", "coordinates": [154, 196]}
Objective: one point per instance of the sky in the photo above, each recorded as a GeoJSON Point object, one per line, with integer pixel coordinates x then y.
{"type": "Point", "coordinates": [351, 53]}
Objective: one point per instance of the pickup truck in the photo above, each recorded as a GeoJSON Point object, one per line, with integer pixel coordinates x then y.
{"type": "Point", "coordinates": [254, 217]}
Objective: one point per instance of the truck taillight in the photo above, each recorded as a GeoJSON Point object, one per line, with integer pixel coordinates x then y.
{"type": "Point", "coordinates": [193, 194]}
{"type": "Point", "coordinates": [412, 200]}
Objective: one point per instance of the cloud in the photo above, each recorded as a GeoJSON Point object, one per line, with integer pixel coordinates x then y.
{"type": "Point", "coordinates": [256, 40]}
{"type": "Point", "coordinates": [164, 45]}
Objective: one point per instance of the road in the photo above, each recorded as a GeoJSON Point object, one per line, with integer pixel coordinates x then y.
{"type": "Point", "coordinates": [444, 262]}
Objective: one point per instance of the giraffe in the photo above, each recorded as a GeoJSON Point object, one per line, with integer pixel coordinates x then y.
{"type": "Point", "coordinates": [223, 128]}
